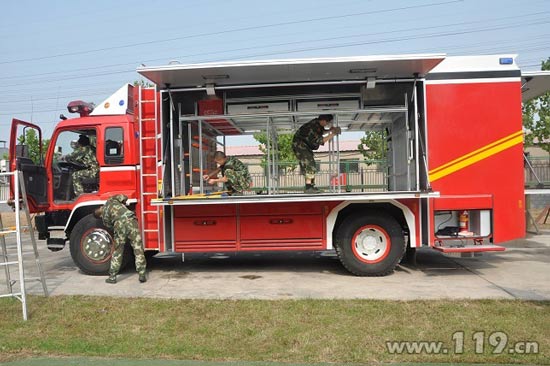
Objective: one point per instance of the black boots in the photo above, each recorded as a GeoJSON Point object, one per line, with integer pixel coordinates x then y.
{"type": "Point", "coordinates": [111, 279]}
{"type": "Point", "coordinates": [311, 189]}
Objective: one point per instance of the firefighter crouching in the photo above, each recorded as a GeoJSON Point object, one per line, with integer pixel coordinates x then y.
{"type": "Point", "coordinates": [118, 217]}
{"type": "Point", "coordinates": [235, 175]}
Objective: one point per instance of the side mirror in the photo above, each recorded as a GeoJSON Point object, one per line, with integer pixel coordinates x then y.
{"type": "Point", "coordinates": [58, 150]}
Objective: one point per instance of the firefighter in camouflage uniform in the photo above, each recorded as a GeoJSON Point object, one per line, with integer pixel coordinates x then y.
{"type": "Point", "coordinates": [84, 155]}
{"type": "Point", "coordinates": [235, 175]}
{"type": "Point", "coordinates": [308, 138]}
{"type": "Point", "coordinates": [117, 217]}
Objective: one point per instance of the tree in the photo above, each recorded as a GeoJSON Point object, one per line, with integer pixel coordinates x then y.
{"type": "Point", "coordinates": [143, 83]}
{"type": "Point", "coordinates": [536, 118]}
{"type": "Point", "coordinates": [30, 139]}
{"type": "Point", "coordinates": [285, 154]}
{"type": "Point", "coordinates": [373, 146]}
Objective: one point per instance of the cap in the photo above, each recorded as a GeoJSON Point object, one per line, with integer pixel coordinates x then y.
{"type": "Point", "coordinates": [326, 117]}
{"type": "Point", "coordinates": [83, 140]}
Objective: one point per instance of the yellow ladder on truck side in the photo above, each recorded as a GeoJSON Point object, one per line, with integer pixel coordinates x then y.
{"type": "Point", "coordinates": [20, 203]}
{"type": "Point", "coordinates": [149, 152]}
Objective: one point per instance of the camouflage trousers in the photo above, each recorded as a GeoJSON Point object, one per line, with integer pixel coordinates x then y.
{"type": "Point", "coordinates": [236, 182]}
{"type": "Point", "coordinates": [78, 176]}
{"type": "Point", "coordinates": [126, 229]}
{"type": "Point", "coordinates": [305, 157]}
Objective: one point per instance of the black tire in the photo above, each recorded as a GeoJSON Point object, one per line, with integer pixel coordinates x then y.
{"type": "Point", "coordinates": [370, 244]}
{"type": "Point", "coordinates": [92, 246]}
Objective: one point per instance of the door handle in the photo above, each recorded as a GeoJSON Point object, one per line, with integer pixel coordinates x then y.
{"type": "Point", "coordinates": [281, 221]}
{"type": "Point", "coordinates": [205, 222]}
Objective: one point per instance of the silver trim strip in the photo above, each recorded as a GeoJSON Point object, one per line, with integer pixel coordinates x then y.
{"type": "Point", "coordinates": [374, 197]}
{"type": "Point", "coordinates": [118, 168]}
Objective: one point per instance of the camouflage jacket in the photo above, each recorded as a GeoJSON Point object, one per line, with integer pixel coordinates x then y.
{"type": "Point", "coordinates": [115, 209]}
{"type": "Point", "coordinates": [310, 134]}
{"type": "Point", "coordinates": [84, 155]}
{"type": "Point", "coordinates": [237, 166]}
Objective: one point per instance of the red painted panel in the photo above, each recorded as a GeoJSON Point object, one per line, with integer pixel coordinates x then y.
{"type": "Point", "coordinates": [205, 210]}
{"type": "Point", "coordinates": [148, 103]}
{"type": "Point", "coordinates": [149, 165]}
{"type": "Point", "coordinates": [463, 118]}
{"type": "Point", "coordinates": [148, 146]}
{"type": "Point", "coordinates": [207, 228]}
{"type": "Point", "coordinates": [150, 240]}
{"type": "Point", "coordinates": [282, 208]}
{"type": "Point", "coordinates": [210, 107]}
{"type": "Point", "coordinates": [117, 179]}
{"type": "Point", "coordinates": [414, 206]}
{"type": "Point", "coordinates": [474, 202]}
{"type": "Point", "coordinates": [148, 128]}
{"type": "Point", "coordinates": [281, 227]}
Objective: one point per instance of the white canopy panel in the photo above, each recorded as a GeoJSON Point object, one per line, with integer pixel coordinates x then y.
{"type": "Point", "coordinates": [535, 83]}
{"type": "Point", "coordinates": [291, 70]}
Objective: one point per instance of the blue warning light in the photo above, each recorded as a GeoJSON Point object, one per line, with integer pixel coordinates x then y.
{"type": "Point", "coordinates": [506, 60]}
{"type": "Point", "coordinates": [121, 103]}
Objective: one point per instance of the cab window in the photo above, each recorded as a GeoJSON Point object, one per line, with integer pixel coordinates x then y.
{"type": "Point", "coordinates": [75, 169]}
{"type": "Point", "coordinates": [114, 145]}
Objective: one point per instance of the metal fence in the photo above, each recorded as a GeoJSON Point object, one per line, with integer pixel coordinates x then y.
{"type": "Point", "coordinates": [353, 176]}
{"type": "Point", "coordinates": [4, 189]}
{"type": "Point", "coordinates": [537, 172]}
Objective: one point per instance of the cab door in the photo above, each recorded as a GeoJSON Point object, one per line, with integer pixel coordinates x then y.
{"type": "Point", "coordinates": [26, 155]}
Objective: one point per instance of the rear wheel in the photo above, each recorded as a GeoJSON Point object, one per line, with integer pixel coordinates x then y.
{"type": "Point", "coordinates": [92, 246]}
{"type": "Point", "coordinates": [370, 245]}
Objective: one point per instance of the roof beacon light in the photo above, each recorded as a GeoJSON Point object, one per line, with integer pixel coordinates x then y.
{"type": "Point", "coordinates": [506, 60]}
{"type": "Point", "coordinates": [80, 107]}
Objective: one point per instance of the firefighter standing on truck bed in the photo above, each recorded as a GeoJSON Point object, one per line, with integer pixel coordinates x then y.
{"type": "Point", "coordinates": [117, 216]}
{"type": "Point", "coordinates": [308, 138]}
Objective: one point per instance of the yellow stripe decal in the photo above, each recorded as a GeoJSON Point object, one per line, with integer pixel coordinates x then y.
{"type": "Point", "coordinates": [477, 155]}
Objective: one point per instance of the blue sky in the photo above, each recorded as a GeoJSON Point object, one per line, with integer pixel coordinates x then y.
{"type": "Point", "coordinates": [52, 52]}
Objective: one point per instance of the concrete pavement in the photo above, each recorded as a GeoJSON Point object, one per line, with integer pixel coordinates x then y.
{"type": "Point", "coordinates": [521, 272]}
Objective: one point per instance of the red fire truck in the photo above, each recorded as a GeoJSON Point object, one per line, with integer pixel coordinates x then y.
{"type": "Point", "coordinates": [454, 179]}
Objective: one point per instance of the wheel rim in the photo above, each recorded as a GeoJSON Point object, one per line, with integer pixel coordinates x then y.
{"type": "Point", "coordinates": [371, 244]}
{"type": "Point", "coordinates": [96, 245]}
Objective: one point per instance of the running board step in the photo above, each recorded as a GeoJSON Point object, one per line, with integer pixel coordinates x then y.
{"type": "Point", "coordinates": [55, 244]}
{"type": "Point", "coordinates": [471, 248]}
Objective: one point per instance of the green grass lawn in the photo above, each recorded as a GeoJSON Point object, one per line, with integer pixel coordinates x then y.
{"type": "Point", "coordinates": [301, 331]}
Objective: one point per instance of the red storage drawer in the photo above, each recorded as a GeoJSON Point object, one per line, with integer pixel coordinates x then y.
{"type": "Point", "coordinates": [281, 227]}
{"type": "Point", "coordinates": [210, 228]}
{"type": "Point", "coordinates": [282, 209]}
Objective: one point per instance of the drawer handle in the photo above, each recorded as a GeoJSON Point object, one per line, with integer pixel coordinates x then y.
{"type": "Point", "coordinates": [205, 222]}
{"type": "Point", "coordinates": [280, 221]}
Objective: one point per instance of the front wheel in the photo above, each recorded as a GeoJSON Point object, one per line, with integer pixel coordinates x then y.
{"type": "Point", "coordinates": [370, 245]}
{"type": "Point", "coordinates": [92, 246]}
